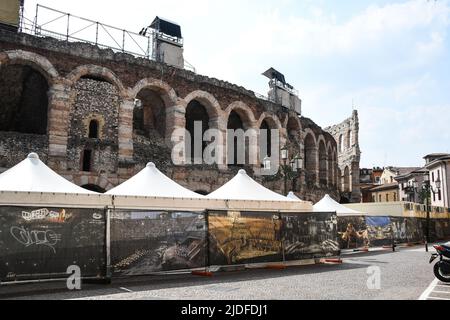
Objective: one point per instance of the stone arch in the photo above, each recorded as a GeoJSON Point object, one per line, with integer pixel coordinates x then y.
{"type": "Point", "coordinates": [323, 163]}
{"type": "Point", "coordinates": [348, 140]}
{"type": "Point", "coordinates": [293, 126]}
{"type": "Point", "coordinates": [242, 150]}
{"type": "Point", "coordinates": [167, 93]}
{"type": "Point", "coordinates": [207, 100]}
{"type": "Point", "coordinates": [97, 72]}
{"type": "Point", "coordinates": [266, 122]}
{"type": "Point", "coordinates": [244, 111]}
{"type": "Point", "coordinates": [310, 157]}
{"type": "Point", "coordinates": [42, 76]}
{"type": "Point", "coordinates": [195, 144]}
{"type": "Point", "coordinates": [94, 187]}
{"type": "Point", "coordinates": [34, 60]}
{"type": "Point", "coordinates": [24, 101]}
{"type": "Point", "coordinates": [93, 180]}
{"type": "Point", "coordinates": [336, 173]}
{"type": "Point", "coordinates": [341, 143]}
{"type": "Point", "coordinates": [330, 165]}
{"type": "Point", "coordinates": [346, 180]}
{"type": "Point", "coordinates": [272, 120]}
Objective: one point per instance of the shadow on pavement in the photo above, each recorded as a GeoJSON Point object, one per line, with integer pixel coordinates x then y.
{"type": "Point", "coordinates": [58, 290]}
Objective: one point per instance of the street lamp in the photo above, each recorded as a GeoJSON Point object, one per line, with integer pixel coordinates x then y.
{"type": "Point", "coordinates": [267, 163]}
{"type": "Point", "coordinates": [292, 170]}
{"type": "Point", "coordinates": [284, 154]}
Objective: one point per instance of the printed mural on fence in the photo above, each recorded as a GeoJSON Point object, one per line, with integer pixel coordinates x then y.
{"type": "Point", "coordinates": [145, 242]}
{"type": "Point", "coordinates": [249, 237]}
{"type": "Point", "coordinates": [307, 236]}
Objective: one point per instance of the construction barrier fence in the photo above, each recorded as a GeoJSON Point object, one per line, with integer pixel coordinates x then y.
{"type": "Point", "coordinates": [42, 242]}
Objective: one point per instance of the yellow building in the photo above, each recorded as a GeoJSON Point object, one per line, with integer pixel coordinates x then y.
{"type": "Point", "coordinates": [385, 193]}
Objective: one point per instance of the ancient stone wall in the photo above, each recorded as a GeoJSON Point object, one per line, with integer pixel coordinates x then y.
{"type": "Point", "coordinates": [346, 135]}
{"type": "Point", "coordinates": [86, 83]}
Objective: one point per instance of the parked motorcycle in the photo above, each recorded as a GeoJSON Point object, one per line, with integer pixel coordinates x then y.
{"type": "Point", "coordinates": [442, 268]}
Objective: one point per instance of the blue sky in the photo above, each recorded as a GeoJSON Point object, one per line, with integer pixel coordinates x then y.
{"type": "Point", "coordinates": [392, 58]}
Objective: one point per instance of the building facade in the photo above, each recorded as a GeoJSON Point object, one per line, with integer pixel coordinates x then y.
{"type": "Point", "coordinates": [346, 135]}
{"type": "Point", "coordinates": [411, 184]}
{"type": "Point", "coordinates": [97, 117]}
{"type": "Point", "coordinates": [438, 166]}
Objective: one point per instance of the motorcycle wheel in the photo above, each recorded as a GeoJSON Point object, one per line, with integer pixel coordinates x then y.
{"type": "Point", "coordinates": [438, 273]}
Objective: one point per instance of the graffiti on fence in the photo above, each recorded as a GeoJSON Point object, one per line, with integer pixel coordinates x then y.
{"type": "Point", "coordinates": [38, 243]}
{"type": "Point", "coordinates": [27, 237]}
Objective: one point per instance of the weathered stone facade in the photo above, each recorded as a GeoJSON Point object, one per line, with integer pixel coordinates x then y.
{"type": "Point", "coordinates": [93, 121]}
{"type": "Point", "coordinates": [346, 135]}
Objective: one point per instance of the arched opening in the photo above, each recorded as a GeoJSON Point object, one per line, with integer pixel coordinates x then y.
{"type": "Point", "coordinates": [197, 123]}
{"type": "Point", "coordinates": [310, 159]}
{"type": "Point", "coordinates": [341, 143]}
{"type": "Point", "coordinates": [23, 100]}
{"type": "Point", "coordinates": [293, 129]}
{"type": "Point", "coordinates": [86, 162]}
{"type": "Point", "coordinates": [339, 179]}
{"type": "Point", "coordinates": [330, 167]}
{"type": "Point", "coordinates": [323, 172]}
{"type": "Point", "coordinates": [149, 115]}
{"type": "Point", "coordinates": [346, 180]}
{"type": "Point", "coordinates": [265, 143]}
{"type": "Point", "coordinates": [237, 144]}
{"type": "Point", "coordinates": [93, 129]}
{"type": "Point", "coordinates": [349, 140]}
{"type": "Point", "coordinates": [93, 187]}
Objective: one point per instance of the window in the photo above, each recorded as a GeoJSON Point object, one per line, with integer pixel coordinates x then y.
{"type": "Point", "coordinates": [439, 196]}
{"type": "Point", "coordinates": [379, 198]}
{"type": "Point", "coordinates": [395, 197]}
{"type": "Point", "coordinates": [93, 129]}
{"type": "Point", "coordinates": [87, 160]}
{"type": "Point", "coordinates": [432, 177]}
{"type": "Point", "coordinates": [387, 198]}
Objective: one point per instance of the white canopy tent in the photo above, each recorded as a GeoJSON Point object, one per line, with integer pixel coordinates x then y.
{"type": "Point", "coordinates": [327, 204]}
{"type": "Point", "coordinates": [292, 196]}
{"type": "Point", "coordinates": [150, 182]}
{"type": "Point", "coordinates": [32, 175]}
{"type": "Point", "coordinates": [242, 187]}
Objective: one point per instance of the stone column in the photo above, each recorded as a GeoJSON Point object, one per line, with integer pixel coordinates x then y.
{"type": "Point", "coordinates": [175, 131]}
{"type": "Point", "coordinates": [125, 137]}
{"type": "Point", "coordinates": [58, 125]}
{"type": "Point", "coordinates": [219, 123]}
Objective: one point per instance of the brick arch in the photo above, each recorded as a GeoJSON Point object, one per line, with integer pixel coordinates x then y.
{"type": "Point", "coordinates": [310, 156]}
{"type": "Point", "coordinates": [272, 120]}
{"type": "Point", "coordinates": [87, 179]}
{"type": "Point", "coordinates": [320, 139]}
{"type": "Point", "coordinates": [31, 59]}
{"type": "Point", "coordinates": [330, 164]}
{"type": "Point", "coordinates": [167, 93]}
{"type": "Point", "coordinates": [244, 111]}
{"type": "Point", "coordinates": [295, 120]}
{"type": "Point", "coordinates": [323, 160]}
{"type": "Point", "coordinates": [96, 71]}
{"type": "Point", "coordinates": [207, 100]}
